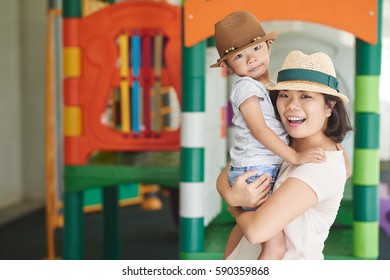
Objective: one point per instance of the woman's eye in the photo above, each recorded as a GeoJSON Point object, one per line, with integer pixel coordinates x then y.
{"type": "Point", "coordinates": [306, 96]}
{"type": "Point", "coordinates": [282, 95]}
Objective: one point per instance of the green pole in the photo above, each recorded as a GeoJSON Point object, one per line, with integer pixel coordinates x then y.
{"type": "Point", "coordinates": [111, 228]}
{"type": "Point", "coordinates": [73, 201]}
{"type": "Point", "coordinates": [72, 8]}
{"type": "Point", "coordinates": [366, 173]}
{"type": "Point", "coordinates": [192, 150]}
{"type": "Point", "coordinates": [73, 226]}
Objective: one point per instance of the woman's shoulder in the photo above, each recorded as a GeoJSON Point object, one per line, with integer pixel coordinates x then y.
{"type": "Point", "coordinates": [334, 165]}
{"type": "Point", "coordinates": [327, 177]}
{"type": "Point", "coordinates": [334, 155]}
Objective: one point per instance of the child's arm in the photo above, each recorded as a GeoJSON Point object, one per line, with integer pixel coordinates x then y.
{"type": "Point", "coordinates": [253, 116]}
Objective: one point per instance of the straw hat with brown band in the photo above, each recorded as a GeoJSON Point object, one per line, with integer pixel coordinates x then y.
{"type": "Point", "coordinates": [314, 73]}
{"type": "Point", "coordinates": [236, 32]}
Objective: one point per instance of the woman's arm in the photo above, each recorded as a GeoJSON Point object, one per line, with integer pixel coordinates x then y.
{"type": "Point", "coordinates": [243, 194]}
{"type": "Point", "coordinates": [288, 202]}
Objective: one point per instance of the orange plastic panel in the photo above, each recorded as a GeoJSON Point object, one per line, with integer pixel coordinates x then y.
{"type": "Point", "coordinates": [96, 36]}
{"type": "Point", "coordinates": [357, 17]}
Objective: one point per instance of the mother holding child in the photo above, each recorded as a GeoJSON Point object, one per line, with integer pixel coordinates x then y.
{"type": "Point", "coordinates": [306, 197]}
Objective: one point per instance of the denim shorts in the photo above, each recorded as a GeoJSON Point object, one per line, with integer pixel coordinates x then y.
{"type": "Point", "coordinates": [272, 170]}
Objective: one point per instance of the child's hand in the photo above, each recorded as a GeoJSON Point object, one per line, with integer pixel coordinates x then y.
{"type": "Point", "coordinates": [311, 155]}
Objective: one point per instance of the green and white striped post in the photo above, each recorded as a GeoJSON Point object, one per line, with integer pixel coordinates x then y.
{"type": "Point", "coordinates": [366, 173]}
{"type": "Point", "coordinates": [192, 151]}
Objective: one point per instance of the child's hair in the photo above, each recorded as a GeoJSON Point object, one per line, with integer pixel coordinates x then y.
{"type": "Point", "coordinates": [338, 124]}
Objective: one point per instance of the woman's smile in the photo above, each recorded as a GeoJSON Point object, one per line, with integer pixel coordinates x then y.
{"type": "Point", "coordinates": [295, 121]}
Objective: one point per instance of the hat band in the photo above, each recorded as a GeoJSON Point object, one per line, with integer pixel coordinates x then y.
{"type": "Point", "coordinates": [235, 48]}
{"type": "Point", "coordinates": [308, 75]}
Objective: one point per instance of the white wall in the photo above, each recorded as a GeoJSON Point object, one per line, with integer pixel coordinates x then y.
{"type": "Point", "coordinates": [11, 180]}
{"type": "Point", "coordinates": [22, 31]}
{"type": "Point", "coordinates": [33, 39]}
{"type": "Point", "coordinates": [384, 88]}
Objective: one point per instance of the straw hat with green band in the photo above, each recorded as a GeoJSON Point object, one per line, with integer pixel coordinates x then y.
{"type": "Point", "coordinates": [313, 72]}
{"type": "Point", "coordinates": [236, 32]}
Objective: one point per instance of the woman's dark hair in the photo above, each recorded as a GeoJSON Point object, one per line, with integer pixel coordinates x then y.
{"type": "Point", "coordinates": [338, 124]}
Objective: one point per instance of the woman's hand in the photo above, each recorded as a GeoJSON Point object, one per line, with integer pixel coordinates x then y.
{"type": "Point", "coordinates": [254, 194]}
{"type": "Point", "coordinates": [241, 193]}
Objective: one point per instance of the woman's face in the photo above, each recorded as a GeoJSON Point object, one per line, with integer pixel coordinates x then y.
{"type": "Point", "coordinates": [304, 114]}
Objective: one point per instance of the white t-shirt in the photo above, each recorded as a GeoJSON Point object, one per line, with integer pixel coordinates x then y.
{"type": "Point", "coordinates": [247, 151]}
{"type": "Point", "coordinates": [306, 235]}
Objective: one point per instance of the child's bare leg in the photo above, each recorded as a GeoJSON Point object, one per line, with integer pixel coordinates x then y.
{"type": "Point", "coordinates": [233, 240]}
{"type": "Point", "coordinates": [273, 249]}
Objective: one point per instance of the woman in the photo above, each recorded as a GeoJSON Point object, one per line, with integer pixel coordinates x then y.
{"type": "Point", "coordinates": [307, 197]}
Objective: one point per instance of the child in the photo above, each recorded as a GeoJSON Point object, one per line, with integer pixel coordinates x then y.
{"type": "Point", "coordinates": [261, 140]}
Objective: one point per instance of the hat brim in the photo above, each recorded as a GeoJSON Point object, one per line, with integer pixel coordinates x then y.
{"type": "Point", "coordinates": [269, 36]}
{"type": "Point", "coordinates": [307, 86]}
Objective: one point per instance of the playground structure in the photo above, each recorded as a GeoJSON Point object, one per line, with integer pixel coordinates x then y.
{"type": "Point", "coordinates": [97, 116]}
{"type": "Point", "coordinates": [138, 110]}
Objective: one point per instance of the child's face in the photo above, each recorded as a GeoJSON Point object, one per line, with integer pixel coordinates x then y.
{"type": "Point", "coordinates": [251, 62]}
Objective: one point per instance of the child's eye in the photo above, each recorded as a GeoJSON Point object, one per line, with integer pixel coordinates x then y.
{"type": "Point", "coordinates": [257, 47]}
{"type": "Point", "coordinates": [238, 56]}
